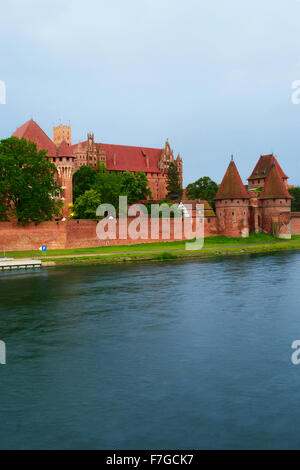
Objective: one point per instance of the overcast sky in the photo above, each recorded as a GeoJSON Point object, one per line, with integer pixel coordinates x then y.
{"type": "Point", "coordinates": [213, 76]}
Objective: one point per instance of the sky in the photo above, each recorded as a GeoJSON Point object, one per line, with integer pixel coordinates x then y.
{"type": "Point", "coordinates": [214, 77]}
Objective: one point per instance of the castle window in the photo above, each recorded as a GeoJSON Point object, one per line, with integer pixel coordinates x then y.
{"type": "Point", "coordinates": [238, 202]}
{"type": "Point", "coordinates": [232, 213]}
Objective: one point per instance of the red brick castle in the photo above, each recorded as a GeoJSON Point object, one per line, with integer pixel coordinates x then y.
{"type": "Point", "coordinates": [68, 158]}
{"type": "Point", "coordinates": [264, 205]}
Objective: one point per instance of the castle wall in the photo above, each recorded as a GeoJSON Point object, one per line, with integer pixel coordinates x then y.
{"type": "Point", "coordinates": [233, 217]}
{"type": "Point", "coordinates": [82, 233]}
{"type": "Point", "coordinates": [295, 223]}
{"type": "Point", "coordinates": [14, 237]}
{"type": "Point", "coordinates": [79, 234]}
{"type": "Point", "coordinates": [274, 210]}
{"type": "Point", "coordinates": [233, 220]}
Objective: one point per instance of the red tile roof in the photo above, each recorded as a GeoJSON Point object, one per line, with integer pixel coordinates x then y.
{"type": "Point", "coordinates": [32, 131]}
{"type": "Point", "coordinates": [126, 158]}
{"type": "Point", "coordinates": [118, 157]}
{"type": "Point", "coordinates": [274, 187]}
{"type": "Point", "coordinates": [132, 158]}
{"type": "Point", "coordinates": [64, 150]}
{"type": "Point", "coordinates": [232, 186]}
{"type": "Point", "coordinates": [263, 167]}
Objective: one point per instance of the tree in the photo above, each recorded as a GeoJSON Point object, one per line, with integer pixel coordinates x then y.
{"type": "Point", "coordinates": [108, 186]}
{"type": "Point", "coordinates": [112, 185]}
{"type": "Point", "coordinates": [135, 186]}
{"type": "Point", "coordinates": [173, 182]}
{"type": "Point", "coordinates": [204, 188]}
{"type": "Point", "coordinates": [295, 192]}
{"type": "Point", "coordinates": [28, 190]}
{"type": "Point", "coordinates": [83, 180]}
{"type": "Point", "coordinates": [86, 205]}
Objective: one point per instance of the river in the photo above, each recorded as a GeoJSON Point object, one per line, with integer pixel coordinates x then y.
{"type": "Point", "coordinates": [175, 355]}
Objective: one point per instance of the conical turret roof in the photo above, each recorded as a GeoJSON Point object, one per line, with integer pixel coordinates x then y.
{"type": "Point", "coordinates": [274, 187]}
{"type": "Point", "coordinates": [263, 167]}
{"type": "Point", "coordinates": [232, 186]}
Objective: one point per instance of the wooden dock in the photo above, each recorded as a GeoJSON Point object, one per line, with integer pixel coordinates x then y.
{"type": "Point", "coordinates": [10, 263]}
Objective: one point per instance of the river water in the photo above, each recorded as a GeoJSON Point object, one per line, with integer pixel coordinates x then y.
{"type": "Point", "coordinates": [177, 355]}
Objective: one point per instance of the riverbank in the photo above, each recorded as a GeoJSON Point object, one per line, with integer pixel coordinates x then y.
{"type": "Point", "coordinates": [162, 251]}
{"type": "Point", "coordinates": [171, 255]}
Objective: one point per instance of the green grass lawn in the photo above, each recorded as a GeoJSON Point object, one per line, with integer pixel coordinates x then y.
{"type": "Point", "coordinates": [158, 246]}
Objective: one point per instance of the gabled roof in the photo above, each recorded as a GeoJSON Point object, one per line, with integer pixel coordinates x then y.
{"type": "Point", "coordinates": [128, 158]}
{"type": "Point", "coordinates": [122, 157]}
{"type": "Point", "coordinates": [232, 186]}
{"type": "Point", "coordinates": [263, 167]}
{"type": "Point", "coordinates": [64, 150]}
{"type": "Point", "coordinates": [274, 187]}
{"type": "Point", "coordinates": [32, 131]}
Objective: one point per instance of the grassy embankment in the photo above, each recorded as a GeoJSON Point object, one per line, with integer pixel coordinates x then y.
{"type": "Point", "coordinates": [162, 251]}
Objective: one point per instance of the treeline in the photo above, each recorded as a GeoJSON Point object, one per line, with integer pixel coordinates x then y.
{"type": "Point", "coordinates": [94, 187]}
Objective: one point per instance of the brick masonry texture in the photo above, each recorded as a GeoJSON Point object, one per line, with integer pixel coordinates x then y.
{"type": "Point", "coordinates": [77, 234]}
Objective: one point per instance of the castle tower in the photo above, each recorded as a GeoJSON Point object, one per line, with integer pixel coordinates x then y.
{"type": "Point", "coordinates": [167, 157]}
{"type": "Point", "coordinates": [276, 205]}
{"type": "Point", "coordinates": [61, 133]}
{"type": "Point", "coordinates": [232, 205]}
{"type": "Point", "coordinates": [65, 164]}
{"type": "Point", "coordinates": [261, 170]}
{"type": "Point", "coordinates": [178, 162]}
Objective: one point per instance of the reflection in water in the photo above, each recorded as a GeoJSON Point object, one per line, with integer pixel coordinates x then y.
{"type": "Point", "coordinates": [171, 355]}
